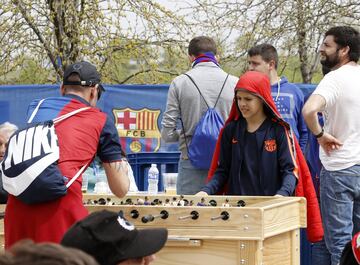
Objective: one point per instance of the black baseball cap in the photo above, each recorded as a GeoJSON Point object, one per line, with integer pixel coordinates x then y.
{"type": "Point", "coordinates": [89, 76]}
{"type": "Point", "coordinates": [110, 238]}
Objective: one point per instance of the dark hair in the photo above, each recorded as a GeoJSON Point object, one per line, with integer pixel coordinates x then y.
{"type": "Point", "coordinates": [29, 253]}
{"type": "Point", "coordinates": [75, 77]}
{"type": "Point", "coordinates": [266, 51]}
{"type": "Point", "coordinates": [200, 45]}
{"type": "Point", "coordinates": [346, 36]}
{"type": "Point", "coordinates": [325, 69]}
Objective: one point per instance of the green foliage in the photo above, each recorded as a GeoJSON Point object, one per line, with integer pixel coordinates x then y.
{"type": "Point", "coordinates": [145, 41]}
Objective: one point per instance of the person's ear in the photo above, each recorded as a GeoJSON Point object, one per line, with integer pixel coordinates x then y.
{"type": "Point", "coordinates": [93, 92]}
{"type": "Point", "coordinates": [93, 96]}
{"type": "Point", "coordinates": [272, 65]}
{"type": "Point", "coordinates": [62, 90]}
{"type": "Point", "coordinates": [344, 51]}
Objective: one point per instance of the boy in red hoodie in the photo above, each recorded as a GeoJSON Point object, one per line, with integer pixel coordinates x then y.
{"type": "Point", "coordinates": [256, 153]}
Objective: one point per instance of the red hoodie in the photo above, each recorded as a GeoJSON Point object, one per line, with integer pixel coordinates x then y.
{"type": "Point", "coordinates": [258, 83]}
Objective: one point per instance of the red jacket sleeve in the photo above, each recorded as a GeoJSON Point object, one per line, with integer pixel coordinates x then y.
{"type": "Point", "coordinates": [305, 188]}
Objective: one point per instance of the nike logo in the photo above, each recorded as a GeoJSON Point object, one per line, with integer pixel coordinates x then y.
{"type": "Point", "coordinates": [28, 143]}
{"type": "Point", "coordinates": [234, 141]}
{"type": "Point", "coordinates": [17, 185]}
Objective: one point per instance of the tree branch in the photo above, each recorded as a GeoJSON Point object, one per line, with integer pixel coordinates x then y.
{"type": "Point", "coordinates": [28, 20]}
{"type": "Point", "coordinates": [145, 71]}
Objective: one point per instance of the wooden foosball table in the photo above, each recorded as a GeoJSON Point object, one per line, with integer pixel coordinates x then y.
{"type": "Point", "coordinates": [216, 230]}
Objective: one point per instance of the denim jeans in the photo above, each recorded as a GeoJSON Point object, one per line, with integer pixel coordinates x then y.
{"type": "Point", "coordinates": [189, 180]}
{"type": "Point", "coordinates": [340, 207]}
{"type": "Point", "coordinates": [320, 254]}
{"type": "Point", "coordinates": [305, 248]}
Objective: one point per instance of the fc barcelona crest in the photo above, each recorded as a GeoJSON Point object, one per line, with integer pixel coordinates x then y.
{"type": "Point", "coordinates": [270, 145]}
{"type": "Point", "coordinates": [138, 129]}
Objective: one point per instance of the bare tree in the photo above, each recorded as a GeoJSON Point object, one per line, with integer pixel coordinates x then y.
{"type": "Point", "coordinates": [145, 42]}
{"type": "Point", "coordinates": [294, 27]}
{"type": "Point", "coordinates": [60, 32]}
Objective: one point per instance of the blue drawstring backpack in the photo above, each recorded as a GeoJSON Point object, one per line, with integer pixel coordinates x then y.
{"type": "Point", "coordinates": [203, 141]}
{"type": "Point", "coordinates": [29, 169]}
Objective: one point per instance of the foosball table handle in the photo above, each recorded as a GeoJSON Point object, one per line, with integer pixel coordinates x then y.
{"type": "Point", "coordinates": [224, 216]}
{"type": "Point", "coordinates": [149, 218]}
{"type": "Point", "coordinates": [134, 214]}
{"type": "Point", "coordinates": [193, 215]}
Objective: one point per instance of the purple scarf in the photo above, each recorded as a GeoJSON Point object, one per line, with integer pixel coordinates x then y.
{"type": "Point", "coordinates": [205, 57]}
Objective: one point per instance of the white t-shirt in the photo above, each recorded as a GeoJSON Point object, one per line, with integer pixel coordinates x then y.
{"type": "Point", "coordinates": [341, 90]}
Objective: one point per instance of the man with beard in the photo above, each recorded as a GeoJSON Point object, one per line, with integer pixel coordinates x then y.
{"type": "Point", "coordinates": [338, 98]}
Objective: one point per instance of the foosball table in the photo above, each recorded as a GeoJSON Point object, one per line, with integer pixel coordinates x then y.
{"type": "Point", "coordinates": [216, 230]}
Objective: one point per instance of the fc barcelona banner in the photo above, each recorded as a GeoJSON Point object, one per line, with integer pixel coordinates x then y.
{"type": "Point", "coordinates": [135, 109]}
{"type": "Point", "coordinates": [138, 129]}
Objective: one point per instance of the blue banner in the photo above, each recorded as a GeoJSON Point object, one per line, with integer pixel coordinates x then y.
{"type": "Point", "coordinates": [135, 109]}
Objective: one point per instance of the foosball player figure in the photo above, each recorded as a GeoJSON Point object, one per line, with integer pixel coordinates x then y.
{"type": "Point", "coordinates": [201, 202]}
{"type": "Point", "coordinates": [186, 202]}
{"type": "Point", "coordinates": [191, 203]}
{"type": "Point", "coordinates": [212, 203]}
{"type": "Point", "coordinates": [89, 202]}
{"type": "Point", "coordinates": [174, 201]}
{"type": "Point", "coordinates": [181, 202]}
{"type": "Point", "coordinates": [146, 202]}
{"type": "Point", "coordinates": [129, 201]}
{"type": "Point", "coordinates": [156, 202]}
{"type": "Point", "coordinates": [102, 201]}
{"type": "Point", "coordinates": [226, 203]}
{"type": "Point", "coordinates": [241, 203]}
{"type": "Point", "coordinates": [109, 202]}
{"type": "Point", "coordinates": [167, 202]}
{"type": "Point", "coordinates": [139, 201]}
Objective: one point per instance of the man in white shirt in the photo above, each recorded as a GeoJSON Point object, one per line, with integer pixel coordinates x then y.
{"type": "Point", "coordinates": [338, 97]}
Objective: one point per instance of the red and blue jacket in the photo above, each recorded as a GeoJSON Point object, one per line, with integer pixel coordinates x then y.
{"type": "Point", "coordinates": [80, 138]}
{"type": "Point", "coordinates": [274, 165]}
{"type": "Point", "coordinates": [259, 84]}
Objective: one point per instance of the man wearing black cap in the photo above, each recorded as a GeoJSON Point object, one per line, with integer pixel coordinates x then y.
{"type": "Point", "coordinates": [112, 240]}
{"type": "Point", "coordinates": [80, 137]}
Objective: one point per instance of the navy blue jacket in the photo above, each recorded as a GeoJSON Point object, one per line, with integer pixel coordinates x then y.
{"type": "Point", "coordinates": [276, 166]}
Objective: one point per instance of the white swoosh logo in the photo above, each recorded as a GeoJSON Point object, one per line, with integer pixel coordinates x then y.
{"type": "Point", "coordinates": [18, 184]}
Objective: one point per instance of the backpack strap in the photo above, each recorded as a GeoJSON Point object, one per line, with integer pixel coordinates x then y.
{"type": "Point", "coordinates": [182, 125]}
{"type": "Point", "coordinates": [71, 181]}
{"type": "Point", "coordinates": [221, 90]}
{"type": "Point", "coordinates": [192, 80]}
{"type": "Point", "coordinates": [217, 99]}
{"type": "Point", "coordinates": [68, 115]}
{"type": "Point", "coordinates": [59, 119]}
{"type": "Point", "coordinates": [35, 111]}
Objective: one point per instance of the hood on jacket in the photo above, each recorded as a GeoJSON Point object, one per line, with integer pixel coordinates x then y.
{"type": "Point", "coordinates": [258, 84]}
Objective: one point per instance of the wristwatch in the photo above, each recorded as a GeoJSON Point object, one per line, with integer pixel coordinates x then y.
{"type": "Point", "coordinates": [320, 134]}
